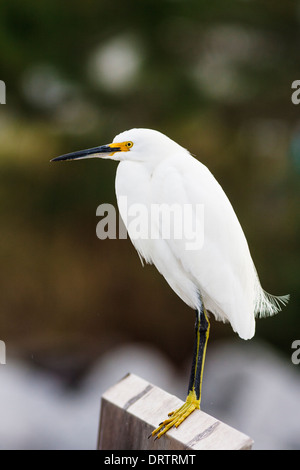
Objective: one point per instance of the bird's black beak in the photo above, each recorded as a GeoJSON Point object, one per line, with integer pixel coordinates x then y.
{"type": "Point", "coordinates": [95, 152]}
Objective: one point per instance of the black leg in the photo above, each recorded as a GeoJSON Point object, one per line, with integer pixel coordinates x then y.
{"type": "Point", "coordinates": [194, 394]}
{"type": "Point", "coordinates": [202, 327]}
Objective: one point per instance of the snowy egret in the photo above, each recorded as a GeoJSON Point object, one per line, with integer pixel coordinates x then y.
{"type": "Point", "coordinates": [220, 277]}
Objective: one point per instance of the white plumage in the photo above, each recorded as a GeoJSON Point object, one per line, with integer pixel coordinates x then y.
{"type": "Point", "coordinates": [156, 170]}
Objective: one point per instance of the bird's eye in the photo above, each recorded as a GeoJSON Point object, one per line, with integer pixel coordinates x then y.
{"type": "Point", "coordinates": [129, 144]}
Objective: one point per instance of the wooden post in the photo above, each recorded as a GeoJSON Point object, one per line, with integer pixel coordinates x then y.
{"type": "Point", "coordinates": [133, 408]}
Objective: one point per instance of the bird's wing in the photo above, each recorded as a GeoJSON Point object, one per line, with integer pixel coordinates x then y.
{"type": "Point", "coordinates": [222, 269]}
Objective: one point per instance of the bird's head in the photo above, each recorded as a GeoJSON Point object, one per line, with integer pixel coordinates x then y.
{"type": "Point", "coordinates": [142, 145]}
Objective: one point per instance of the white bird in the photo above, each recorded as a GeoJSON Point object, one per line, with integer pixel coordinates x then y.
{"type": "Point", "coordinates": [219, 276]}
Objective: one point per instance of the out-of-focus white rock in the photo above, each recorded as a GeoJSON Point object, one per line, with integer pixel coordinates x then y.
{"type": "Point", "coordinates": [246, 385]}
{"type": "Point", "coordinates": [252, 388]}
{"type": "Point", "coordinates": [38, 413]}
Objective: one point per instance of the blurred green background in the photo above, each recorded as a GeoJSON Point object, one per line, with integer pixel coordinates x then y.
{"type": "Point", "coordinates": [214, 76]}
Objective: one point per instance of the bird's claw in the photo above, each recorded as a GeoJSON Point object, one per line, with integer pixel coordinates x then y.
{"type": "Point", "coordinates": [178, 416]}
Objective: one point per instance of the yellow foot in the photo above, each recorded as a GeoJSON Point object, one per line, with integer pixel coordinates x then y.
{"type": "Point", "coordinates": [178, 416]}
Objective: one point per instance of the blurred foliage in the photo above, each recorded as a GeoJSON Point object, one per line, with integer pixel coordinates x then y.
{"type": "Point", "coordinates": [214, 76]}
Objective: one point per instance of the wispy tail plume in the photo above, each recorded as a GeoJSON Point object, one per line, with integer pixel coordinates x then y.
{"type": "Point", "coordinates": [268, 304]}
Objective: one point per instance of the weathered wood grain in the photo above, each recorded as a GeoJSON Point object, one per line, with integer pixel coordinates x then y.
{"type": "Point", "coordinates": [132, 408]}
